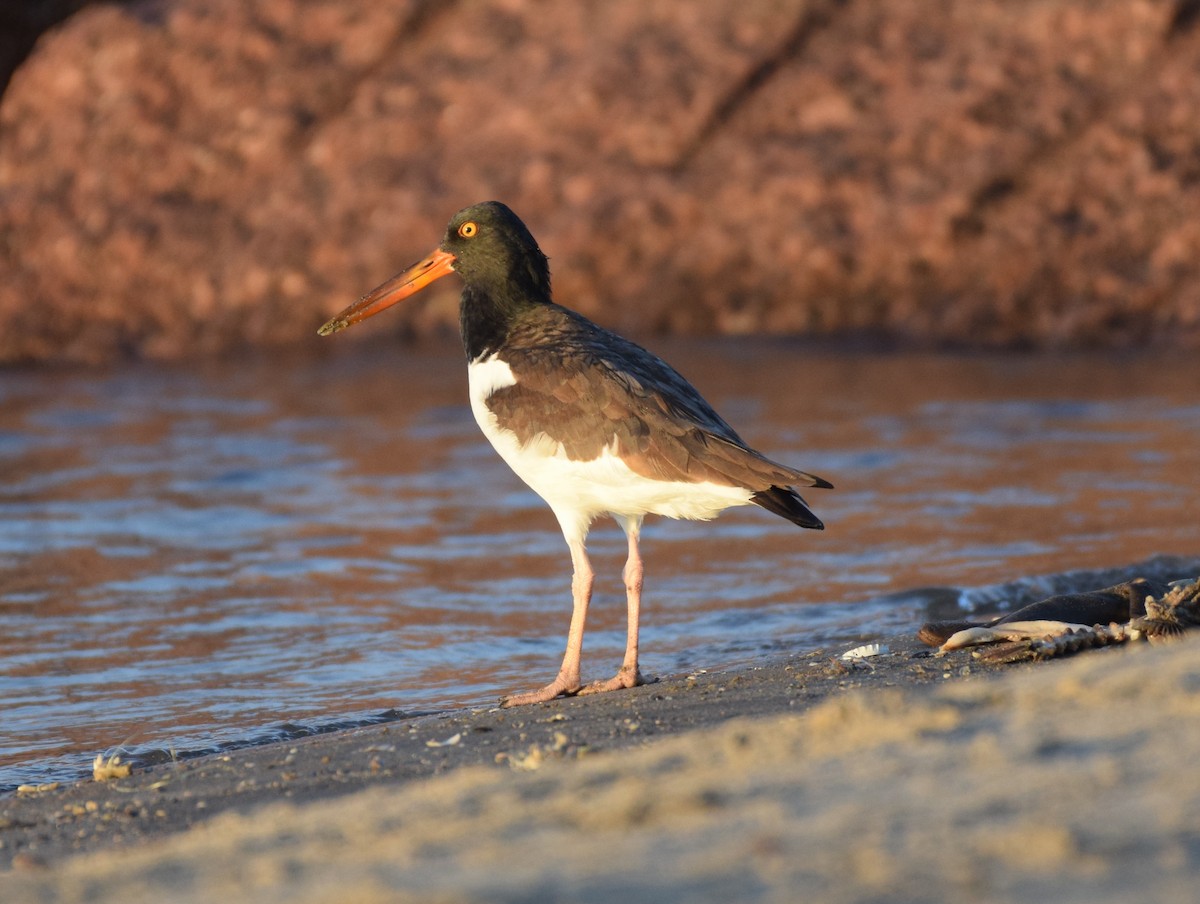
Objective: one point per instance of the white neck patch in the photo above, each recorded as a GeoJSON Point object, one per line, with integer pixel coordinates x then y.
{"type": "Point", "coordinates": [485, 376]}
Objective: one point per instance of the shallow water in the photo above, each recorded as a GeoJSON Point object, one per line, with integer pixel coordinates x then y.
{"type": "Point", "coordinates": [193, 558]}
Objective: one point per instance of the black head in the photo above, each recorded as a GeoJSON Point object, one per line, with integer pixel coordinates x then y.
{"type": "Point", "coordinates": [489, 247]}
{"type": "Point", "coordinates": [496, 254]}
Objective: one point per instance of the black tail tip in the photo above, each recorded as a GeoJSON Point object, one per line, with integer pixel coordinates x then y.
{"type": "Point", "coordinates": [786, 503]}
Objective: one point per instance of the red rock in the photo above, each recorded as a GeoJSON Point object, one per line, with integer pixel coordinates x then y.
{"type": "Point", "coordinates": [187, 178]}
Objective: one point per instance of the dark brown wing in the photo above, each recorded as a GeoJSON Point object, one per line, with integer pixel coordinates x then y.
{"type": "Point", "coordinates": [620, 396]}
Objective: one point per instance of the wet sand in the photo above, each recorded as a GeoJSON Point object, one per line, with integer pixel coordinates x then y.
{"type": "Point", "coordinates": [904, 777]}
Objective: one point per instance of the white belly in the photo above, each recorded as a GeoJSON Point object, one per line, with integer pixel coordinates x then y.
{"type": "Point", "coordinates": [578, 491]}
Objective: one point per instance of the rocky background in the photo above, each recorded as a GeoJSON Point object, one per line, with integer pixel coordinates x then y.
{"type": "Point", "coordinates": [187, 177]}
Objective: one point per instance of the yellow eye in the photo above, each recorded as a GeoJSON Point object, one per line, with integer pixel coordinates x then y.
{"type": "Point", "coordinates": [468, 230]}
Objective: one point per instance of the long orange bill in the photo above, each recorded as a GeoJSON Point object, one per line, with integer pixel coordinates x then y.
{"type": "Point", "coordinates": [399, 287]}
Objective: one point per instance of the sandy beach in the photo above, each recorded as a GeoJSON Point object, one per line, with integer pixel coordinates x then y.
{"type": "Point", "coordinates": [902, 778]}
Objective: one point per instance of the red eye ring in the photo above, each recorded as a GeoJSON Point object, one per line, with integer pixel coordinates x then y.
{"type": "Point", "coordinates": [467, 230]}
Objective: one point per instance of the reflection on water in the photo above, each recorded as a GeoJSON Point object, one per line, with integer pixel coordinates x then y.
{"type": "Point", "coordinates": [195, 557]}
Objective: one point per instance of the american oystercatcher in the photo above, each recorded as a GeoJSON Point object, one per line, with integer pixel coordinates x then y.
{"type": "Point", "coordinates": [593, 423]}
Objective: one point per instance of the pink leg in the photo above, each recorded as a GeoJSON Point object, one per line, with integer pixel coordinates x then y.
{"type": "Point", "coordinates": [628, 676]}
{"type": "Point", "coordinates": [567, 682]}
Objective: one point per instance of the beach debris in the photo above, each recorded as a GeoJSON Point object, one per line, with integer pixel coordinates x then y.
{"type": "Point", "coordinates": [36, 789]}
{"type": "Point", "coordinates": [104, 770]}
{"type": "Point", "coordinates": [1165, 613]}
{"type": "Point", "coordinates": [451, 741]}
{"type": "Point", "coordinates": [866, 651]}
{"type": "Point", "coordinates": [1118, 603]}
{"type": "Point", "coordinates": [532, 759]}
{"type": "Point", "coordinates": [1013, 632]}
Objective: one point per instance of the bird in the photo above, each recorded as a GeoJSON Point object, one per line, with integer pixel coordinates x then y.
{"type": "Point", "coordinates": [590, 421]}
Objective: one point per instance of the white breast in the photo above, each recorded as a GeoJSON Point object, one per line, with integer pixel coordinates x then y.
{"type": "Point", "coordinates": [578, 491]}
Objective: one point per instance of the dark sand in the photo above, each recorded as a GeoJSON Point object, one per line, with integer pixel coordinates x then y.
{"type": "Point", "coordinates": [902, 778]}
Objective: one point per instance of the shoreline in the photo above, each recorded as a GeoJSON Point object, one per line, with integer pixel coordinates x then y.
{"type": "Point", "coordinates": [919, 777]}
{"type": "Point", "coordinates": [163, 799]}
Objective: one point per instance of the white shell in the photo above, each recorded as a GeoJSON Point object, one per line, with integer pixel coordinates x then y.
{"type": "Point", "coordinates": [865, 651]}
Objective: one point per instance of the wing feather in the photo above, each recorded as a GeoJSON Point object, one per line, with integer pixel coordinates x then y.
{"type": "Point", "coordinates": [621, 397]}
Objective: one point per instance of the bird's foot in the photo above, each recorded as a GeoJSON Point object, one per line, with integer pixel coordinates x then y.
{"type": "Point", "coordinates": [627, 677]}
{"type": "Point", "coordinates": [559, 687]}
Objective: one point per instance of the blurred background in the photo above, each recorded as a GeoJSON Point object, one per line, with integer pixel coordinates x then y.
{"type": "Point", "coordinates": [187, 177]}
